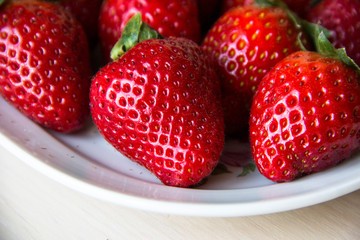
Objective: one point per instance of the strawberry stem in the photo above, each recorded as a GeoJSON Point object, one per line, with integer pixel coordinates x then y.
{"type": "Point", "coordinates": [325, 47]}
{"type": "Point", "coordinates": [134, 32]}
{"type": "Point", "coordinates": [312, 29]}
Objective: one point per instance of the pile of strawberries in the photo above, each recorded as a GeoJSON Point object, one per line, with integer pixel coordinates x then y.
{"type": "Point", "coordinates": [177, 78]}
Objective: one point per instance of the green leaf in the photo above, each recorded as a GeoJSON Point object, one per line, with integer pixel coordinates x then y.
{"type": "Point", "coordinates": [129, 37]}
{"type": "Point", "coordinates": [134, 32]}
{"type": "Point", "coordinates": [302, 46]}
{"type": "Point", "coordinates": [220, 169]}
{"type": "Point", "coordinates": [2, 2]}
{"type": "Point", "coordinates": [341, 52]}
{"type": "Point", "coordinates": [325, 47]}
{"type": "Point", "coordinates": [312, 29]}
{"type": "Point", "coordinates": [250, 167]}
{"type": "Point", "coordinates": [147, 32]}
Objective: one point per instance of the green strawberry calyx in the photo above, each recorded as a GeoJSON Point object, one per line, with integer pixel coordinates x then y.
{"type": "Point", "coordinates": [134, 32]}
{"type": "Point", "coordinates": [326, 48]}
{"type": "Point", "coordinates": [2, 1]}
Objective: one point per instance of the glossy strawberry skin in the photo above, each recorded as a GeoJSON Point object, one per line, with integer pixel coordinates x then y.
{"type": "Point", "coordinates": [305, 116]}
{"type": "Point", "coordinates": [246, 42]}
{"type": "Point", "coordinates": [169, 18]}
{"type": "Point", "coordinates": [159, 105]}
{"type": "Point", "coordinates": [44, 64]}
{"type": "Point", "coordinates": [342, 18]}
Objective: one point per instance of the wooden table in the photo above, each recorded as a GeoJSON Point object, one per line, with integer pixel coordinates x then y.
{"type": "Point", "coordinates": [34, 207]}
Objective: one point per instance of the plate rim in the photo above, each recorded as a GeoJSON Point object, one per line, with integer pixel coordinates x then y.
{"type": "Point", "coordinates": [198, 209]}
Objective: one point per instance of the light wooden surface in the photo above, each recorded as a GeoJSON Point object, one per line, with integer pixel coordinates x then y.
{"type": "Point", "coordinates": [34, 207]}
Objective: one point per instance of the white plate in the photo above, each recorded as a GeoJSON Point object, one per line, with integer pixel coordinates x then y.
{"type": "Point", "coordinates": [87, 163]}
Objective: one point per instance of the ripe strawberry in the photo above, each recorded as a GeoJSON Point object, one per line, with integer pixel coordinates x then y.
{"type": "Point", "coordinates": [342, 17]}
{"type": "Point", "coordinates": [246, 42]}
{"type": "Point", "coordinates": [169, 18]}
{"type": "Point", "coordinates": [158, 104]}
{"type": "Point", "coordinates": [44, 64]}
{"type": "Point", "coordinates": [87, 13]}
{"type": "Point", "coordinates": [305, 116]}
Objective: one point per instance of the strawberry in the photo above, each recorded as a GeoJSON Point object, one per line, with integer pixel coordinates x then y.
{"type": "Point", "coordinates": [158, 104]}
{"type": "Point", "coordinates": [44, 64]}
{"type": "Point", "coordinates": [246, 42]}
{"type": "Point", "coordinates": [305, 116]}
{"type": "Point", "coordinates": [87, 13]}
{"type": "Point", "coordinates": [342, 18]}
{"type": "Point", "coordinates": [169, 18]}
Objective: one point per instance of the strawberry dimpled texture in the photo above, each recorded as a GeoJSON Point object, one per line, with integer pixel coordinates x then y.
{"type": "Point", "coordinates": [156, 105]}
{"type": "Point", "coordinates": [44, 64]}
{"type": "Point", "coordinates": [305, 117]}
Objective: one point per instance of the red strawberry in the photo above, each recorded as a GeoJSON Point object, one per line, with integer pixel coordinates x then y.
{"type": "Point", "coordinates": [87, 13]}
{"type": "Point", "coordinates": [246, 42]}
{"type": "Point", "coordinates": [169, 18]}
{"type": "Point", "coordinates": [158, 104]}
{"type": "Point", "coordinates": [305, 116]}
{"type": "Point", "coordinates": [342, 17]}
{"type": "Point", "coordinates": [44, 64]}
